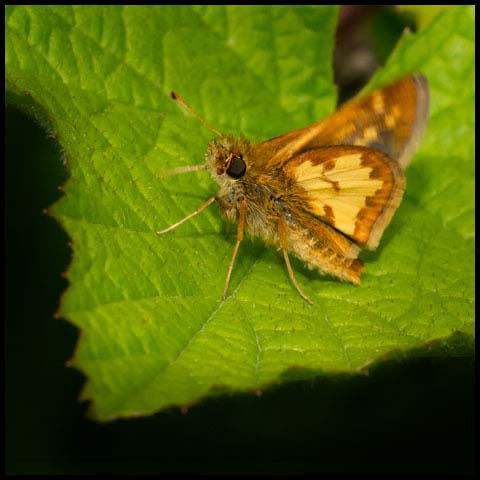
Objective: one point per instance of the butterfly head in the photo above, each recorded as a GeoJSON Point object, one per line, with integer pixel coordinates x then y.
{"type": "Point", "coordinates": [227, 159]}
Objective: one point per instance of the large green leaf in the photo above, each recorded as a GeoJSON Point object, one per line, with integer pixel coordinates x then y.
{"type": "Point", "coordinates": [154, 330]}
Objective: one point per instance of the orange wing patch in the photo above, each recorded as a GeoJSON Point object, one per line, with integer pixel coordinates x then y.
{"type": "Point", "coordinates": [391, 119]}
{"type": "Point", "coordinates": [356, 190]}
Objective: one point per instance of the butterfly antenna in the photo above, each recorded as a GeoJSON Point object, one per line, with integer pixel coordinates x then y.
{"type": "Point", "coordinates": [186, 169]}
{"type": "Point", "coordinates": [181, 101]}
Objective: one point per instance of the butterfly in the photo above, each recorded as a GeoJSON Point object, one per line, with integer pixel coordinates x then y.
{"type": "Point", "coordinates": [325, 191]}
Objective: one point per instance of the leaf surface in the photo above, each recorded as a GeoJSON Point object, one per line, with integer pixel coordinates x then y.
{"type": "Point", "coordinates": [154, 330]}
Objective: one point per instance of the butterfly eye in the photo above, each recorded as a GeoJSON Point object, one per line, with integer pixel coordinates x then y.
{"type": "Point", "coordinates": [237, 167]}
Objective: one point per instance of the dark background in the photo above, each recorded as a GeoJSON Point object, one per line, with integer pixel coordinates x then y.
{"type": "Point", "coordinates": [407, 415]}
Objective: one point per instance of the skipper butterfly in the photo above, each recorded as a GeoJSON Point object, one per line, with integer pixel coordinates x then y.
{"type": "Point", "coordinates": [325, 191]}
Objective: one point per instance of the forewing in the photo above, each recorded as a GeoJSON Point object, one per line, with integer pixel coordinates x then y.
{"type": "Point", "coordinates": [391, 119]}
{"type": "Point", "coordinates": [354, 189]}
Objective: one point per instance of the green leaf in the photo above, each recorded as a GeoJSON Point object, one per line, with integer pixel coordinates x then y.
{"type": "Point", "coordinates": [154, 330]}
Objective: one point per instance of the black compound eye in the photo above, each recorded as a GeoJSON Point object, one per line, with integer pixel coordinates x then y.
{"type": "Point", "coordinates": [237, 167]}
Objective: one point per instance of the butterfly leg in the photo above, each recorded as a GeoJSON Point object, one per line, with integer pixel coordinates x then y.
{"type": "Point", "coordinates": [240, 228]}
{"type": "Point", "coordinates": [202, 207]}
{"type": "Point", "coordinates": [283, 236]}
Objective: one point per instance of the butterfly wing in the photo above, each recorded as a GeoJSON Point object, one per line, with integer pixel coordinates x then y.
{"type": "Point", "coordinates": [391, 119]}
{"type": "Point", "coordinates": [354, 189]}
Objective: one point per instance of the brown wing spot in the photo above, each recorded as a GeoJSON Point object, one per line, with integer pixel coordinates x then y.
{"type": "Point", "coordinates": [333, 183]}
{"type": "Point", "coordinates": [376, 172]}
{"type": "Point", "coordinates": [328, 165]}
{"type": "Point", "coordinates": [329, 213]}
{"type": "Point", "coordinates": [362, 215]}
